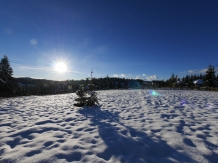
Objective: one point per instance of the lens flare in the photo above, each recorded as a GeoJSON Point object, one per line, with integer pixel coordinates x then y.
{"type": "Point", "coordinates": [153, 93]}
{"type": "Point", "coordinates": [183, 102]}
{"type": "Point", "coordinates": [208, 105]}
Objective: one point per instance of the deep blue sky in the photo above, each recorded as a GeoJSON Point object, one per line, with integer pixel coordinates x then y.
{"type": "Point", "coordinates": [134, 39]}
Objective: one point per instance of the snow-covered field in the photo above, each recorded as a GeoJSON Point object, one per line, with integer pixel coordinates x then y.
{"type": "Point", "coordinates": [128, 126]}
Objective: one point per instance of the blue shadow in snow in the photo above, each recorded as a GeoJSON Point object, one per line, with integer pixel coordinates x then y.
{"type": "Point", "coordinates": [128, 144]}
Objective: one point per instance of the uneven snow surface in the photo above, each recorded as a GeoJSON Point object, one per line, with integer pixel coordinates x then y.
{"type": "Point", "coordinates": [128, 126]}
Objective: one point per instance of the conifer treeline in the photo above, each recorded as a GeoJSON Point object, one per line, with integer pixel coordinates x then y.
{"type": "Point", "coordinates": [44, 87]}
{"type": "Point", "coordinates": [209, 78]}
{"type": "Point", "coordinates": [10, 86]}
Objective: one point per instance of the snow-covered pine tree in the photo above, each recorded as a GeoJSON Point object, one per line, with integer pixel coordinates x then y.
{"type": "Point", "coordinates": [81, 93]}
{"type": "Point", "coordinates": [93, 99]}
{"type": "Point", "coordinates": [83, 99]}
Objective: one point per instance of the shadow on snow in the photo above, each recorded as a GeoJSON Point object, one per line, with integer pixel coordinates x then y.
{"type": "Point", "coordinates": [128, 144]}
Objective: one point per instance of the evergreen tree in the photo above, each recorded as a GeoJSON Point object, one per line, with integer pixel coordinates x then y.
{"type": "Point", "coordinates": [7, 86]}
{"type": "Point", "coordinates": [172, 77]}
{"type": "Point", "coordinates": [81, 93]}
{"type": "Point", "coordinates": [195, 77]}
{"type": "Point", "coordinates": [92, 100]}
{"type": "Point", "coordinates": [119, 84]}
{"type": "Point", "coordinates": [6, 71]}
{"type": "Point", "coordinates": [183, 79]}
{"type": "Point", "coordinates": [87, 81]}
{"type": "Point", "coordinates": [83, 100]}
{"type": "Point", "coordinates": [210, 78]}
{"type": "Point", "coordinates": [110, 84]}
{"type": "Point", "coordinates": [171, 81]}
{"type": "Point", "coordinates": [201, 76]}
{"type": "Point", "coordinates": [187, 79]}
{"type": "Point", "coordinates": [191, 78]}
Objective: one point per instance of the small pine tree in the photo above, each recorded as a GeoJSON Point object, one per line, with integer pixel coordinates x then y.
{"type": "Point", "coordinates": [82, 96]}
{"type": "Point", "coordinates": [92, 100]}
{"type": "Point", "coordinates": [83, 99]}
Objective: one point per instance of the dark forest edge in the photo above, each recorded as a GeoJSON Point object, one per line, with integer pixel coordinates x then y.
{"type": "Point", "coordinates": [25, 86]}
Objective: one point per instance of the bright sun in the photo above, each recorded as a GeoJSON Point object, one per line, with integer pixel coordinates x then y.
{"type": "Point", "coordinates": [61, 67]}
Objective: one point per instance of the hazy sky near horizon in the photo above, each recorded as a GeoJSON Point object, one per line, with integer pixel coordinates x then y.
{"type": "Point", "coordinates": [123, 38]}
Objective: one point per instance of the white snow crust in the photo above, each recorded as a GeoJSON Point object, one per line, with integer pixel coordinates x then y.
{"type": "Point", "coordinates": [128, 126]}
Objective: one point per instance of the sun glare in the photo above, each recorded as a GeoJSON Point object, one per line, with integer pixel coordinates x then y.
{"type": "Point", "coordinates": [60, 67]}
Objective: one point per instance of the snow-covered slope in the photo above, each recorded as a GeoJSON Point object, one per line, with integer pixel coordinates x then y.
{"type": "Point", "coordinates": [128, 126]}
